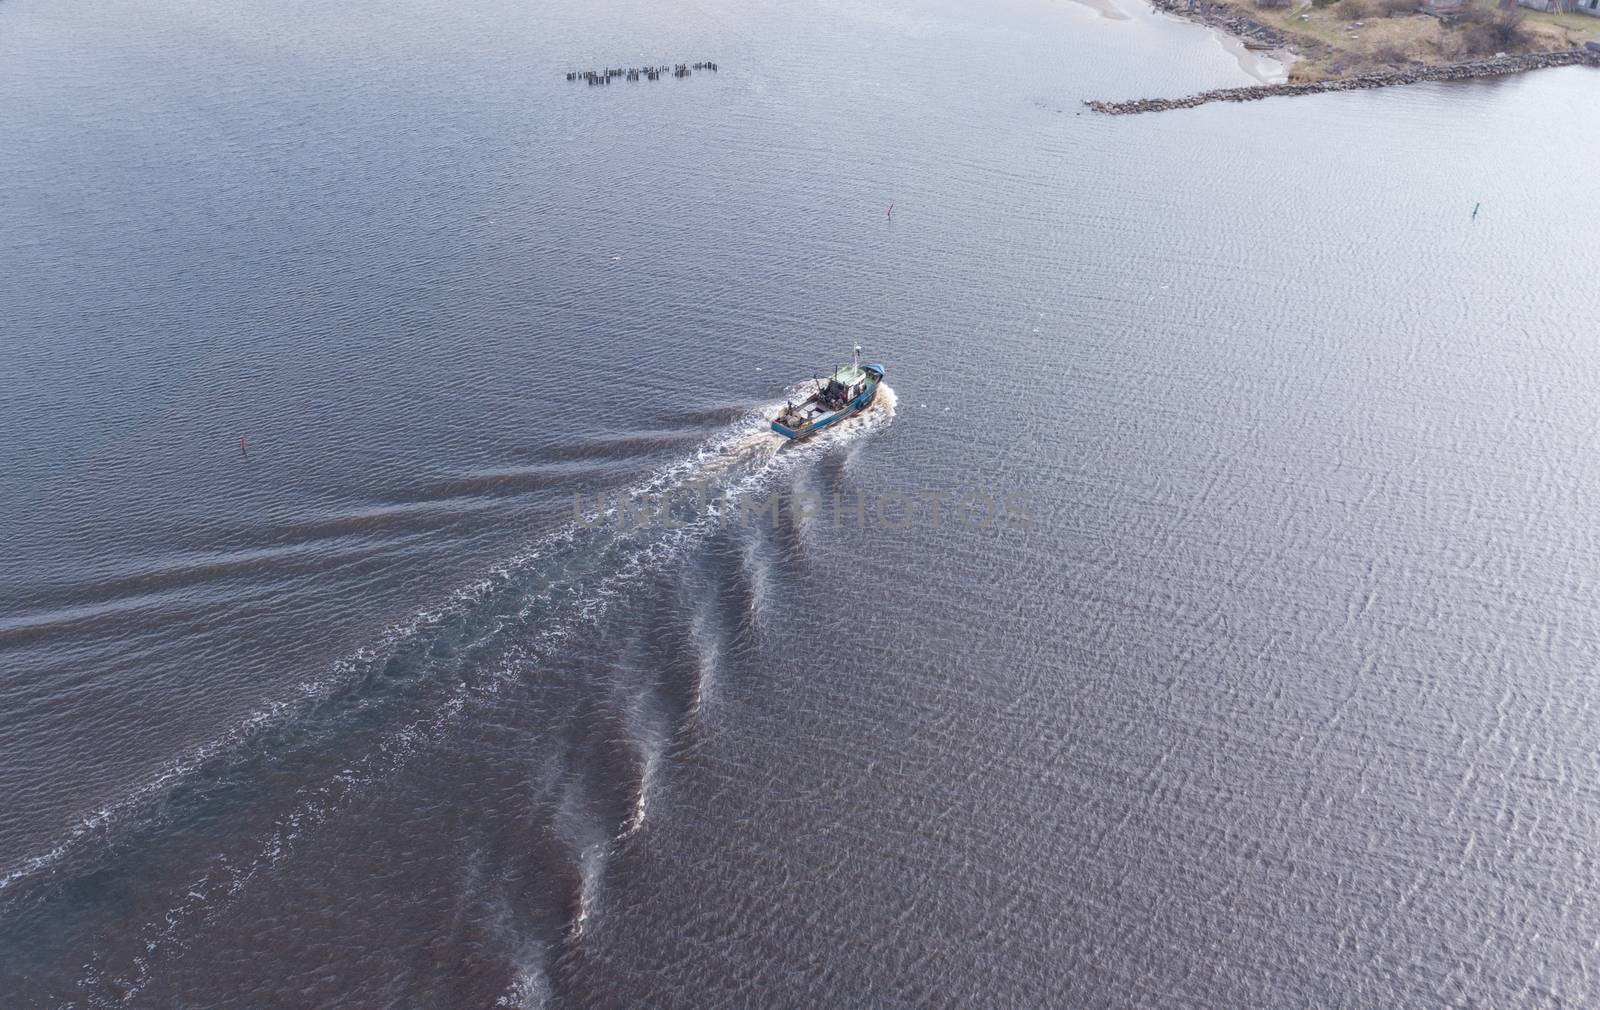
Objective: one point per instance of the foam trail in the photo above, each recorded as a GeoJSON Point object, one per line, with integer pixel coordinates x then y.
{"type": "Point", "coordinates": [744, 443]}
{"type": "Point", "coordinates": [530, 990]}
{"type": "Point", "coordinates": [590, 864]}
{"type": "Point", "coordinates": [540, 596]}
{"type": "Point", "coordinates": [641, 798]}
{"type": "Point", "coordinates": [708, 652]}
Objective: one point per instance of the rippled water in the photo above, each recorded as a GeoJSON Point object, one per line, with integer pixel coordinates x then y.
{"type": "Point", "coordinates": [1280, 697]}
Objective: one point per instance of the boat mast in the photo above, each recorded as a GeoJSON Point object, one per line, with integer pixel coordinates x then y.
{"type": "Point", "coordinates": [858, 355]}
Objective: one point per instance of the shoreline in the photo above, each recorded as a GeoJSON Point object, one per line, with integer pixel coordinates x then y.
{"type": "Point", "coordinates": [1347, 45]}
{"type": "Point", "coordinates": [1255, 35]}
{"type": "Point", "coordinates": [1497, 66]}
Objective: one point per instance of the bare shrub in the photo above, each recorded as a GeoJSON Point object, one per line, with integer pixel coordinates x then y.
{"type": "Point", "coordinates": [1504, 31]}
{"type": "Point", "coordinates": [1354, 10]}
{"type": "Point", "coordinates": [1391, 55]}
{"type": "Point", "coordinates": [1397, 8]}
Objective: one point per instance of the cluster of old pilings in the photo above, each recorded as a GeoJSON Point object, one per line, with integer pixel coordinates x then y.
{"type": "Point", "coordinates": [605, 76]}
{"type": "Point", "coordinates": [1494, 67]}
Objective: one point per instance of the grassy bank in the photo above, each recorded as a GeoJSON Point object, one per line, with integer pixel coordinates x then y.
{"type": "Point", "coordinates": [1351, 37]}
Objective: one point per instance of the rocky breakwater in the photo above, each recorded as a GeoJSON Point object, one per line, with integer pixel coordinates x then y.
{"type": "Point", "coordinates": [1493, 67]}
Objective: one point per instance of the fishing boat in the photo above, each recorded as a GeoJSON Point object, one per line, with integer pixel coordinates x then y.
{"type": "Point", "coordinates": [849, 390]}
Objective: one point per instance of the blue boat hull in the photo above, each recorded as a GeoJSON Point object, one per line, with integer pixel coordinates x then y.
{"type": "Point", "coordinates": [869, 391]}
{"type": "Point", "coordinates": [864, 400]}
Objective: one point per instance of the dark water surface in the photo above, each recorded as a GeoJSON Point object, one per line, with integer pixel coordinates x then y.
{"type": "Point", "coordinates": [1282, 698]}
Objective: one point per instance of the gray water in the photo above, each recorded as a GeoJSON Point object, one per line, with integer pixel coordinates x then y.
{"type": "Point", "coordinates": [1278, 695]}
